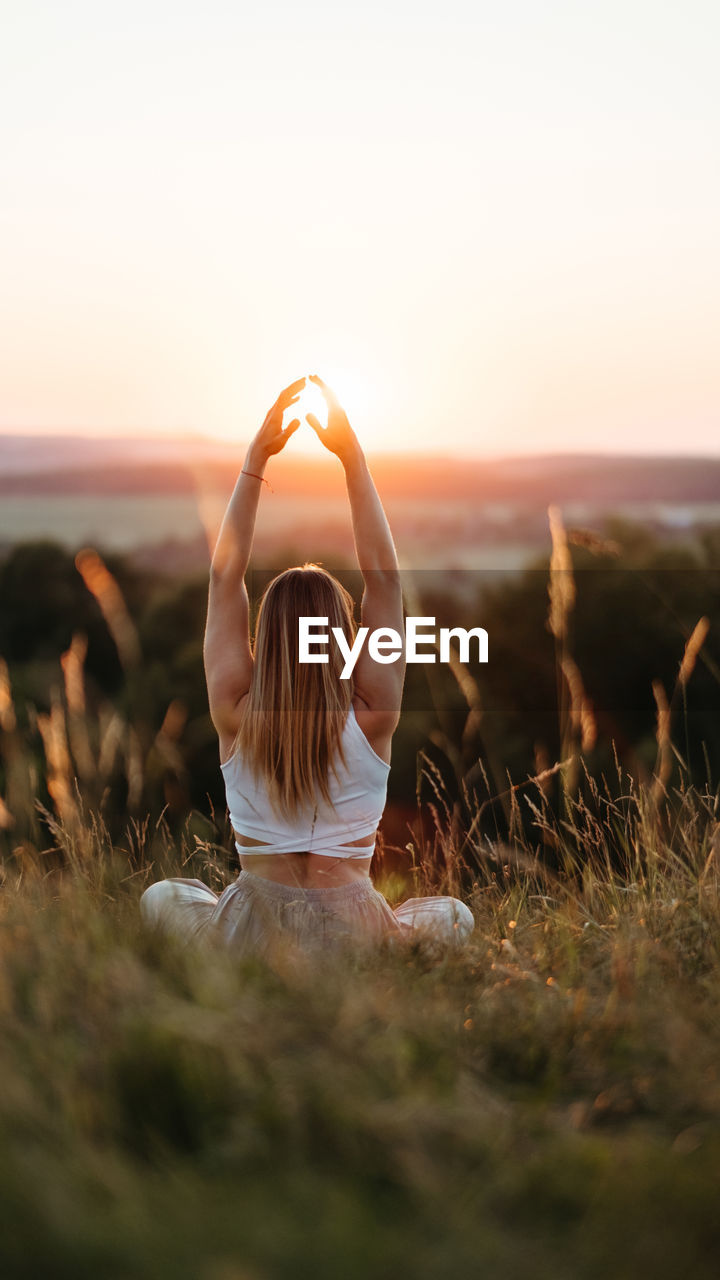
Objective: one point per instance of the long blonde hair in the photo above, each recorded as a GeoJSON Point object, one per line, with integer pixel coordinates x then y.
{"type": "Point", "coordinates": [291, 730]}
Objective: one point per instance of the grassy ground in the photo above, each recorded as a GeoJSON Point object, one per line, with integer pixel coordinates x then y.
{"type": "Point", "coordinates": [546, 1101]}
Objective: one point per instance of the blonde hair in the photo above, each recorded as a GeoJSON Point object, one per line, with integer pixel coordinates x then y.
{"type": "Point", "coordinates": [291, 730]}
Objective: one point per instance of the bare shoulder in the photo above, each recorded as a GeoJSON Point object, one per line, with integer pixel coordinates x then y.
{"type": "Point", "coordinates": [378, 726]}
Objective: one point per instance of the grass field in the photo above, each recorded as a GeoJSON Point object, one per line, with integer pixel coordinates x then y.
{"type": "Point", "coordinates": [546, 1100]}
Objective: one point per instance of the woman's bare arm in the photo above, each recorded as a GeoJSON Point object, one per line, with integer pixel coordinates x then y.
{"type": "Point", "coordinates": [379, 685]}
{"type": "Point", "coordinates": [226, 649]}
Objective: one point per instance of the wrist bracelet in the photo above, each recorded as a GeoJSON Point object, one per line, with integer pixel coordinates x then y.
{"type": "Point", "coordinates": [257, 477]}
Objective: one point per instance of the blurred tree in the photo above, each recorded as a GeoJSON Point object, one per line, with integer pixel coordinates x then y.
{"type": "Point", "coordinates": [43, 601]}
{"type": "Point", "coordinates": [633, 614]}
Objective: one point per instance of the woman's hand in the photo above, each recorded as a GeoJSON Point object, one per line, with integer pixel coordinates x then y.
{"type": "Point", "coordinates": [338, 436]}
{"type": "Point", "coordinates": [271, 438]}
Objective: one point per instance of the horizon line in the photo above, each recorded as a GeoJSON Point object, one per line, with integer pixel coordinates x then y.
{"type": "Point", "coordinates": [117, 436]}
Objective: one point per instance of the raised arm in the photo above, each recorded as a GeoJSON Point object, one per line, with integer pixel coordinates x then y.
{"type": "Point", "coordinates": [378, 685]}
{"type": "Point", "coordinates": [226, 649]}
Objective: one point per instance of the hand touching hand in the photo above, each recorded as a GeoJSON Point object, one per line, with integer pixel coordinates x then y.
{"type": "Point", "coordinates": [271, 438]}
{"type": "Point", "coordinates": [338, 436]}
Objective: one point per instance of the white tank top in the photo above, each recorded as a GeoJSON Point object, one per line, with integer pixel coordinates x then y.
{"type": "Point", "coordinates": [359, 793]}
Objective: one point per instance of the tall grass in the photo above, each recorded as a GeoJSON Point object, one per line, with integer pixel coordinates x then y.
{"type": "Point", "coordinates": [548, 1097]}
{"type": "Point", "coordinates": [545, 1101]}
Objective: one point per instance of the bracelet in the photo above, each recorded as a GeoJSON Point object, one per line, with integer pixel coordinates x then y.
{"type": "Point", "coordinates": [257, 477]}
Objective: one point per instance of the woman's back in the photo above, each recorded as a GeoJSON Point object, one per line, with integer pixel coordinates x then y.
{"type": "Point", "coordinates": [323, 843]}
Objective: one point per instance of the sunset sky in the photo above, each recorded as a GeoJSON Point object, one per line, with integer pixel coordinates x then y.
{"type": "Point", "coordinates": [494, 227]}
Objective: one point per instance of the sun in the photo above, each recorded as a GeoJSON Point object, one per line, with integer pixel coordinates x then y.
{"type": "Point", "coordinates": [368, 397]}
{"type": "Point", "coordinates": [311, 401]}
{"type": "Point", "coordinates": [359, 396]}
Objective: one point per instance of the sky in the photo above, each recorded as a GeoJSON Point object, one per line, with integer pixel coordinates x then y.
{"type": "Point", "coordinates": [491, 227]}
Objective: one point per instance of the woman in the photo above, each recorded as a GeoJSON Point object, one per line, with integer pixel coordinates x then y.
{"type": "Point", "coordinates": [304, 753]}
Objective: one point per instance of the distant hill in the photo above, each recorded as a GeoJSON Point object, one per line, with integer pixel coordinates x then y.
{"type": "Point", "coordinates": [76, 464]}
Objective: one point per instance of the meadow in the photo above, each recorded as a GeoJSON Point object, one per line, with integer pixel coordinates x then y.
{"type": "Point", "coordinates": [545, 1100]}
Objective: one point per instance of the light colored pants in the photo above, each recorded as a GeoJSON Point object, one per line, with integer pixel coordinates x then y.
{"type": "Point", "coordinates": [252, 911]}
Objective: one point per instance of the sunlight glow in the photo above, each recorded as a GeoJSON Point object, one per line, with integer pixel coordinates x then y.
{"type": "Point", "coordinates": [312, 401]}
{"type": "Point", "coordinates": [363, 396]}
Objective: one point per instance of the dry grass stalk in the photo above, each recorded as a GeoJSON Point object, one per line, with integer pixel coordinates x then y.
{"type": "Point", "coordinates": [541, 780]}
{"type": "Point", "coordinates": [577, 720]}
{"type": "Point", "coordinates": [112, 726]}
{"type": "Point", "coordinates": [664, 762]}
{"type": "Point", "coordinates": [513, 857]}
{"type": "Point", "coordinates": [100, 582]}
{"type": "Point", "coordinates": [8, 725]}
{"type": "Point", "coordinates": [7, 710]}
{"type": "Point", "coordinates": [541, 760]}
{"type": "Point", "coordinates": [692, 649]}
{"type": "Point", "coordinates": [21, 771]}
{"type": "Point", "coordinates": [168, 736]}
{"type": "Point", "coordinates": [663, 766]}
{"type": "Point", "coordinates": [6, 818]}
{"type": "Point", "coordinates": [72, 662]}
{"type": "Point", "coordinates": [72, 667]}
{"type": "Point", "coordinates": [582, 716]}
{"type": "Point", "coordinates": [561, 589]}
{"type": "Point", "coordinates": [59, 769]}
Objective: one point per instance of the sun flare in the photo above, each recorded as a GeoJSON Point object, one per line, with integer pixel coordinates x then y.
{"type": "Point", "coordinates": [365, 394]}
{"type": "Point", "coordinates": [360, 395]}
{"type": "Point", "coordinates": [311, 401]}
